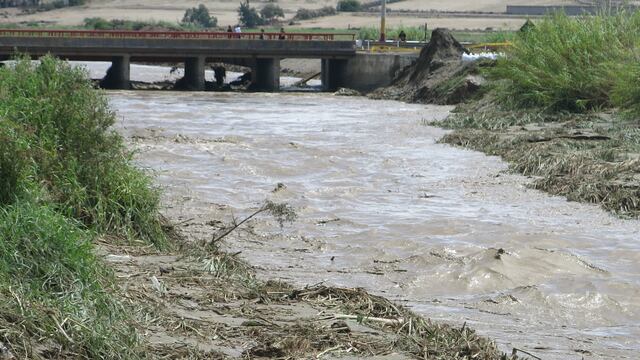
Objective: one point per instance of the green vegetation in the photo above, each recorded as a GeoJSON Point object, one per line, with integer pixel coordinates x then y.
{"type": "Point", "coordinates": [414, 33]}
{"type": "Point", "coordinates": [56, 142]}
{"type": "Point", "coordinates": [199, 17]}
{"type": "Point", "coordinates": [418, 33]}
{"type": "Point", "coordinates": [249, 16]}
{"type": "Point", "coordinates": [572, 63]}
{"type": "Point", "coordinates": [349, 5]}
{"type": "Point", "coordinates": [53, 300]}
{"type": "Point", "coordinates": [271, 13]}
{"type": "Point", "coordinates": [65, 178]}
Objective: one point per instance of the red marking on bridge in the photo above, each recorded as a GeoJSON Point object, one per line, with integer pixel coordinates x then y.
{"type": "Point", "coordinates": [185, 35]}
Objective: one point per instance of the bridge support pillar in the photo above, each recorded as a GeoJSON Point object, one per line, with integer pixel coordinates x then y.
{"type": "Point", "coordinates": [118, 75]}
{"type": "Point", "coordinates": [266, 75]}
{"type": "Point", "coordinates": [332, 74]}
{"type": "Point", "coordinates": [193, 74]}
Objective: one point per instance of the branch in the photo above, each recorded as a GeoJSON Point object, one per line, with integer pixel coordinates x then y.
{"type": "Point", "coordinates": [236, 225]}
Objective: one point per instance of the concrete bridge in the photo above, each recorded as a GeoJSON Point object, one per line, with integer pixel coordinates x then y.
{"type": "Point", "coordinates": [260, 52]}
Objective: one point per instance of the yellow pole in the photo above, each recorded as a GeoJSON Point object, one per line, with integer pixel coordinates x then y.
{"type": "Point", "coordinates": [383, 20]}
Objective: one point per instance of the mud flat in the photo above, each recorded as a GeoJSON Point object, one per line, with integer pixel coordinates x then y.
{"type": "Point", "coordinates": [381, 205]}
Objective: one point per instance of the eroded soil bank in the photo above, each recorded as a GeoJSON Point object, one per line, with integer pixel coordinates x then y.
{"type": "Point", "coordinates": [381, 205]}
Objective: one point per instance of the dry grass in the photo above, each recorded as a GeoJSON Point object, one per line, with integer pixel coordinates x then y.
{"type": "Point", "coordinates": [415, 335]}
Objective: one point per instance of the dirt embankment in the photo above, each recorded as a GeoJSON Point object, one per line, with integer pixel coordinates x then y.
{"type": "Point", "coordinates": [439, 76]}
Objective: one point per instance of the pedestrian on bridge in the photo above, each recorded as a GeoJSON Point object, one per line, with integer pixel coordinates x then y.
{"type": "Point", "coordinates": [282, 35]}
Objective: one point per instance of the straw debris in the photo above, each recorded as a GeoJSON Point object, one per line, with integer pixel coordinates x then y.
{"type": "Point", "coordinates": [593, 158]}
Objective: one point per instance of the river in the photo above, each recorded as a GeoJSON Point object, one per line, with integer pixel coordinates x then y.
{"type": "Point", "coordinates": [381, 205]}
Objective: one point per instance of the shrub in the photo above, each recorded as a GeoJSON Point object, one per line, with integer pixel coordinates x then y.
{"type": "Point", "coordinates": [626, 90]}
{"type": "Point", "coordinates": [98, 23]}
{"type": "Point", "coordinates": [249, 16]}
{"type": "Point", "coordinates": [271, 12]}
{"type": "Point", "coordinates": [348, 5]}
{"type": "Point", "coordinates": [200, 16]}
{"type": "Point", "coordinates": [566, 63]}
{"type": "Point", "coordinates": [56, 136]}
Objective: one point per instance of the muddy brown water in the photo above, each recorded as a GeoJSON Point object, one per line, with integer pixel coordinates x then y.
{"type": "Point", "coordinates": [382, 206]}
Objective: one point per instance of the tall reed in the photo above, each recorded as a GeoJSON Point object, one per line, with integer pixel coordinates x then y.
{"type": "Point", "coordinates": [568, 63]}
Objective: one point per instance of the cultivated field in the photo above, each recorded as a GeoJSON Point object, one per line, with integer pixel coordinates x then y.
{"type": "Point", "coordinates": [226, 12]}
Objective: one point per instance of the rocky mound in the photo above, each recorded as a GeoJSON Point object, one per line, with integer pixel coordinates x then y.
{"type": "Point", "coordinates": [438, 76]}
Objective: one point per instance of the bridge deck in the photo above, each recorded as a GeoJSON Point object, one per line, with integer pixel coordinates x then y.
{"type": "Point", "coordinates": [163, 46]}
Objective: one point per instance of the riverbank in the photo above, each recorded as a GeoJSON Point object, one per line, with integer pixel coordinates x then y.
{"type": "Point", "coordinates": [65, 179]}
{"type": "Point", "coordinates": [205, 303]}
{"type": "Point", "coordinates": [590, 158]}
{"type": "Point", "coordinates": [160, 295]}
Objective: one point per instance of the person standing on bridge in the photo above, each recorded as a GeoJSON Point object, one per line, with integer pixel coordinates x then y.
{"type": "Point", "coordinates": [229, 30]}
{"type": "Point", "coordinates": [261, 37]}
{"type": "Point", "coordinates": [237, 30]}
{"type": "Point", "coordinates": [282, 35]}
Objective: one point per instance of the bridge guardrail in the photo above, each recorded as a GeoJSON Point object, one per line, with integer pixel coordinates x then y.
{"type": "Point", "coordinates": [185, 35]}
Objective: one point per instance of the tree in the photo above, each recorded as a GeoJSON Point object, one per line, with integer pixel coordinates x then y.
{"type": "Point", "coordinates": [349, 5]}
{"type": "Point", "coordinates": [200, 16]}
{"type": "Point", "coordinates": [249, 16]}
{"type": "Point", "coordinates": [271, 12]}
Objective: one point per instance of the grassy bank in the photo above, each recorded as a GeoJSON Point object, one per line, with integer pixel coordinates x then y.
{"type": "Point", "coordinates": [66, 178]}
{"type": "Point", "coordinates": [562, 107]}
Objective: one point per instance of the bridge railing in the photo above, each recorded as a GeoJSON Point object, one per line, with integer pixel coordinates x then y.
{"type": "Point", "coordinates": [185, 35]}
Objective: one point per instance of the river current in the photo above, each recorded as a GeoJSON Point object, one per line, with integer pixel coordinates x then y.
{"type": "Point", "coordinates": [381, 205]}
